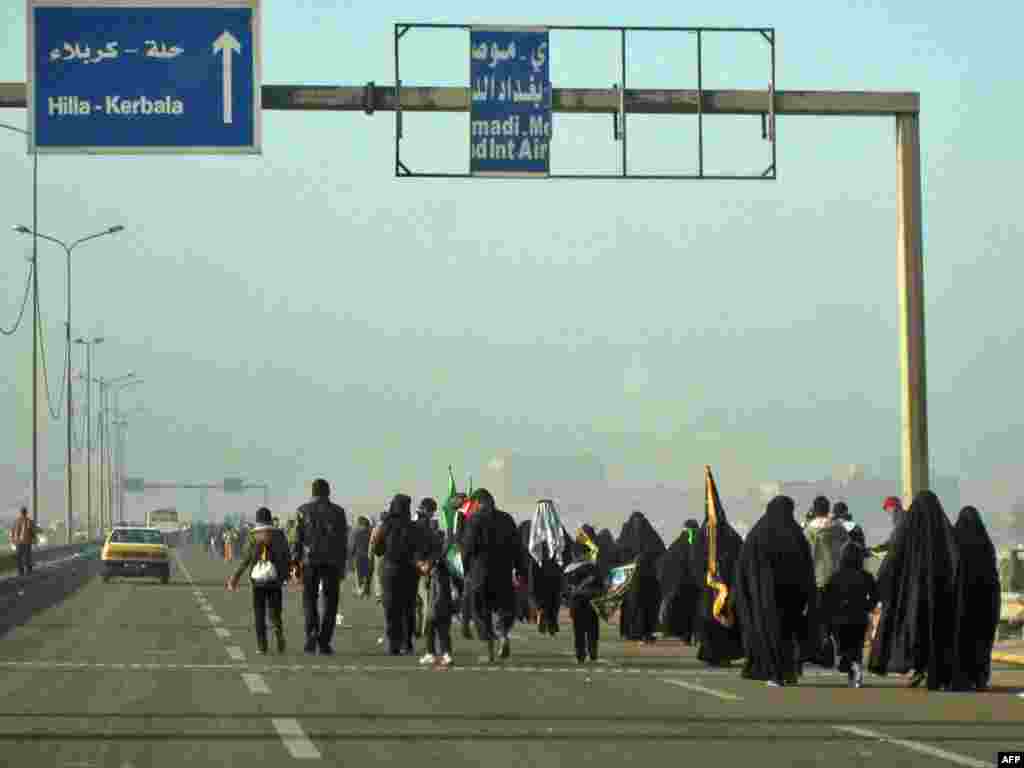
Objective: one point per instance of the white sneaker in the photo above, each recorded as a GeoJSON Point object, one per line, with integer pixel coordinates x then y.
{"type": "Point", "coordinates": [446, 660]}
{"type": "Point", "coordinates": [856, 676]}
{"type": "Point", "coordinates": [428, 658]}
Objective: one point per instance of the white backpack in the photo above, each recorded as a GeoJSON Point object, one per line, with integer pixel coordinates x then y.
{"type": "Point", "coordinates": [264, 571]}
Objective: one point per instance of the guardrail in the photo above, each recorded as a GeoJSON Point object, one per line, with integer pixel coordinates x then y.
{"type": "Point", "coordinates": [9, 560]}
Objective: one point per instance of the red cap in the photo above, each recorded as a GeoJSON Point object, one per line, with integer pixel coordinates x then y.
{"type": "Point", "coordinates": [892, 503]}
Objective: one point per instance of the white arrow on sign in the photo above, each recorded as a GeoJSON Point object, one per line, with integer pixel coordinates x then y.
{"type": "Point", "coordinates": [225, 44]}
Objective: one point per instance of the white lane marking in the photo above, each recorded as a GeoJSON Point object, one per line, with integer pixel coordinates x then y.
{"type": "Point", "coordinates": [915, 746]}
{"type": "Point", "coordinates": [222, 633]}
{"type": "Point", "coordinates": [236, 653]}
{"type": "Point", "coordinates": [701, 689]}
{"type": "Point", "coordinates": [255, 683]}
{"type": "Point", "coordinates": [215, 619]}
{"type": "Point", "coordinates": [295, 740]}
{"type": "Point", "coordinates": [183, 568]}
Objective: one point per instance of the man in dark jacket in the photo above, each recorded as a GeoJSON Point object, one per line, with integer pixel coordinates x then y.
{"type": "Point", "coordinates": [491, 553]}
{"type": "Point", "coordinates": [321, 545]}
{"type": "Point", "coordinates": [267, 543]}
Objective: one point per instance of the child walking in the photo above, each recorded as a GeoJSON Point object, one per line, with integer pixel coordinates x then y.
{"type": "Point", "coordinates": [439, 611]}
{"type": "Point", "coordinates": [584, 584]}
{"type": "Point", "coordinates": [850, 597]}
{"type": "Point", "coordinates": [267, 561]}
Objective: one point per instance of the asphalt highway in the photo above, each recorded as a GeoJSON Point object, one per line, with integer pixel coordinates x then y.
{"type": "Point", "coordinates": [133, 674]}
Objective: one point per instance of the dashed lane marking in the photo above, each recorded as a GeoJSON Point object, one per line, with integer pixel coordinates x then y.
{"type": "Point", "coordinates": [701, 689]}
{"type": "Point", "coordinates": [222, 633]}
{"type": "Point", "coordinates": [915, 746]}
{"type": "Point", "coordinates": [255, 683]}
{"type": "Point", "coordinates": [295, 740]}
{"type": "Point", "coordinates": [236, 653]}
{"type": "Point", "coordinates": [215, 619]}
{"type": "Point", "coordinates": [372, 668]}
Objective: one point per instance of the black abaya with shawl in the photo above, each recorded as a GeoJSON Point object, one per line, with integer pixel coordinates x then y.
{"type": "Point", "coordinates": [978, 602]}
{"type": "Point", "coordinates": [774, 582]}
{"type": "Point", "coordinates": [718, 644]}
{"type": "Point", "coordinates": [916, 584]}
{"type": "Point", "coordinates": [679, 588]}
{"type": "Point", "coordinates": [640, 543]}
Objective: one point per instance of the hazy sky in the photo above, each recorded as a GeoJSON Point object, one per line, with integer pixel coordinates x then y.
{"type": "Point", "coordinates": [304, 312]}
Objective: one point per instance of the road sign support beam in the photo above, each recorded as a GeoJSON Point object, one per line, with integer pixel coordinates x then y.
{"type": "Point", "coordinates": [903, 106]}
{"type": "Point", "coordinates": [638, 101]}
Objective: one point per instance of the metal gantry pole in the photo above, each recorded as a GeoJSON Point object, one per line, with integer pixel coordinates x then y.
{"type": "Point", "coordinates": [70, 412]}
{"type": "Point", "coordinates": [35, 340]}
{"type": "Point", "coordinates": [88, 438]}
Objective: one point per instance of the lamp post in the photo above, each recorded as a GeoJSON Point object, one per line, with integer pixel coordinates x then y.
{"type": "Point", "coordinates": [35, 329]}
{"type": "Point", "coordinates": [67, 337]}
{"type": "Point", "coordinates": [107, 386]}
{"type": "Point", "coordinates": [114, 388]}
{"type": "Point", "coordinates": [88, 344]}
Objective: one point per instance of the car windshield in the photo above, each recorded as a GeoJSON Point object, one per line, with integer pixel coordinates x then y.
{"type": "Point", "coordinates": [138, 536]}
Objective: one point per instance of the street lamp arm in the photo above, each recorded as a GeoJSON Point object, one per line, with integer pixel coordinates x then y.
{"type": "Point", "coordinates": [41, 236]}
{"type": "Point", "coordinates": [81, 240]}
{"type": "Point", "coordinates": [15, 128]}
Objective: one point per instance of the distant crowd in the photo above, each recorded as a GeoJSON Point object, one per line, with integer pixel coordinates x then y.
{"type": "Point", "coordinates": [789, 594]}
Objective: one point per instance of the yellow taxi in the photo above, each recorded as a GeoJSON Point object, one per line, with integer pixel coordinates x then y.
{"type": "Point", "coordinates": [136, 552]}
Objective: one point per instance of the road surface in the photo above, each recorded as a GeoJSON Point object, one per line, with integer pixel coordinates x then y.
{"type": "Point", "coordinates": [138, 674]}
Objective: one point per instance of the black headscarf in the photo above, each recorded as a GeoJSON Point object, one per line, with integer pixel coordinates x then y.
{"type": "Point", "coordinates": [638, 537]}
{"type": "Point", "coordinates": [916, 584]}
{"type": "Point", "coordinates": [774, 582]}
{"type": "Point", "coordinates": [978, 601]}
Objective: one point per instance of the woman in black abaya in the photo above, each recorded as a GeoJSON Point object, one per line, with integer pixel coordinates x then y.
{"type": "Point", "coordinates": [978, 603]}
{"type": "Point", "coordinates": [719, 645]}
{"type": "Point", "coordinates": [640, 543]}
{"type": "Point", "coordinates": [774, 582]}
{"type": "Point", "coordinates": [916, 584]}
{"type": "Point", "coordinates": [679, 589]}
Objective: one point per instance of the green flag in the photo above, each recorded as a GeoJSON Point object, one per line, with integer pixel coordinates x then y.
{"type": "Point", "coordinates": [448, 510]}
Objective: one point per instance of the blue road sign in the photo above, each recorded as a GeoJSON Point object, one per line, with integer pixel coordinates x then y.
{"type": "Point", "coordinates": [510, 112]}
{"type": "Point", "coordinates": [144, 76]}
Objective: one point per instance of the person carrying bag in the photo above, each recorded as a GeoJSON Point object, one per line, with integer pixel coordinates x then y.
{"type": "Point", "coordinates": [267, 560]}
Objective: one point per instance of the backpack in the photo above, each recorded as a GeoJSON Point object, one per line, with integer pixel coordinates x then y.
{"type": "Point", "coordinates": [327, 536]}
{"type": "Point", "coordinates": [264, 571]}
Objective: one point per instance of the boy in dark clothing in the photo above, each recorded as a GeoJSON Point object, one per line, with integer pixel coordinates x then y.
{"type": "Point", "coordinates": [267, 560]}
{"type": "Point", "coordinates": [440, 609]}
{"type": "Point", "coordinates": [584, 584]}
{"type": "Point", "coordinates": [850, 597]}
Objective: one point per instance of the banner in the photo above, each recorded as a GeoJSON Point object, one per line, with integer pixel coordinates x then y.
{"type": "Point", "coordinates": [510, 109]}
{"type": "Point", "coordinates": [619, 581]}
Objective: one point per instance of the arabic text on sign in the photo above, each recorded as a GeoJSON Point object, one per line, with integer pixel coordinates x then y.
{"type": "Point", "coordinates": [84, 54]}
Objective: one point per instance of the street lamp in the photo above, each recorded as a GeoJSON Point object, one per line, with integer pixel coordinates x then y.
{"type": "Point", "coordinates": [21, 229]}
{"type": "Point", "coordinates": [114, 387]}
{"type": "Point", "coordinates": [35, 327]}
{"type": "Point", "coordinates": [106, 385]}
{"type": "Point", "coordinates": [88, 344]}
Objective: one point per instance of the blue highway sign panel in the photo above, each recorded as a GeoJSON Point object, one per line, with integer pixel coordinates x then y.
{"type": "Point", "coordinates": [510, 111]}
{"type": "Point", "coordinates": [144, 76]}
